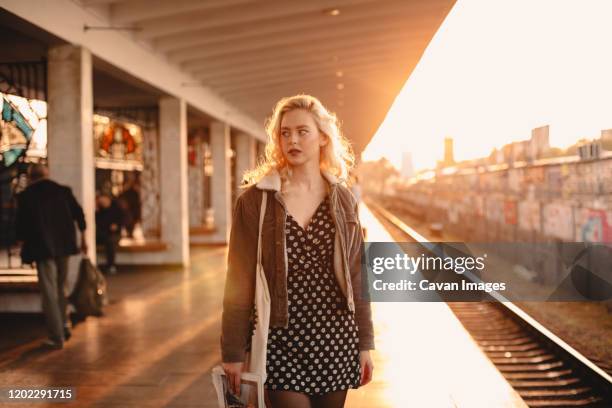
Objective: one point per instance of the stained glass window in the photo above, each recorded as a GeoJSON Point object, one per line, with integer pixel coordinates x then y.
{"type": "Point", "coordinates": [23, 127]}
{"type": "Point", "coordinates": [23, 132]}
{"type": "Point", "coordinates": [117, 140]}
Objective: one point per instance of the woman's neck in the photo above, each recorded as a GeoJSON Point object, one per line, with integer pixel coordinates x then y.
{"type": "Point", "coordinates": [307, 177]}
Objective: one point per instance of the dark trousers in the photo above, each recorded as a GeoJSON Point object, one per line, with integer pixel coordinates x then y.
{"type": "Point", "coordinates": [110, 243]}
{"type": "Point", "coordinates": [52, 282]}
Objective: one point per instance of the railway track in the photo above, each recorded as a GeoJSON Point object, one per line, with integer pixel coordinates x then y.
{"type": "Point", "coordinates": [542, 368]}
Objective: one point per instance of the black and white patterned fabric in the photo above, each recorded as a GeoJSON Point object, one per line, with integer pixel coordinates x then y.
{"type": "Point", "coordinates": [318, 352]}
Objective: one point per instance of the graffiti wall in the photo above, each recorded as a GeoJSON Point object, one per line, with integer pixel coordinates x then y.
{"type": "Point", "coordinates": [568, 201]}
{"type": "Point", "coordinates": [529, 215]}
{"type": "Point", "coordinates": [558, 220]}
{"type": "Point", "coordinates": [494, 209]}
{"type": "Point", "coordinates": [593, 225]}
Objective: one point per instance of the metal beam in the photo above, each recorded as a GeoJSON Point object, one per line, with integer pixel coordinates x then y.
{"type": "Point", "coordinates": [302, 77]}
{"type": "Point", "coordinates": [339, 58]}
{"type": "Point", "coordinates": [294, 38]}
{"type": "Point", "coordinates": [236, 14]}
{"type": "Point", "coordinates": [306, 70]}
{"type": "Point", "coordinates": [359, 13]}
{"type": "Point", "coordinates": [320, 78]}
{"type": "Point", "coordinates": [140, 10]}
{"type": "Point", "coordinates": [288, 53]}
{"type": "Point", "coordinates": [342, 66]}
{"type": "Point", "coordinates": [361, 85]}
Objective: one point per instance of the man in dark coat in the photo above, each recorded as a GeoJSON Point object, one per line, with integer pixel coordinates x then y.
{"type": "Point", "coordinates": [46, 216]}
{"type": "Point", "coordinates": [131, 205]}
{"type": "Point", "coordinates": [108, 229]}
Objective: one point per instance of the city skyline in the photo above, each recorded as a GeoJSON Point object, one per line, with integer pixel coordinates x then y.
{"type": "Point", "coordinates": [485, 91]}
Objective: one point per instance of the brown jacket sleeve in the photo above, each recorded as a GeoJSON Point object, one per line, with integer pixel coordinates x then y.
{"type": "Point", "coordinates": [361, 294]}
{"type": "Point", "coordinates": [239, 283]}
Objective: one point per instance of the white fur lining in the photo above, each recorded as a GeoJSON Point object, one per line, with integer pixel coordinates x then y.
{"type": "Point", "coordinates": [272, 180]}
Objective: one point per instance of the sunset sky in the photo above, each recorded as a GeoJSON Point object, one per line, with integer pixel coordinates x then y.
{"type": "Point", "coordinates": [497, 69]}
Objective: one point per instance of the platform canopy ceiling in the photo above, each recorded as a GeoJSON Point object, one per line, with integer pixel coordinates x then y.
{"type": "Point", "coordinates": [353, 54]}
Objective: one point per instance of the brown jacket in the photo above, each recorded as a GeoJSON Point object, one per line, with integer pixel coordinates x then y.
{"type": "Point", "coordinates": [242, 258]}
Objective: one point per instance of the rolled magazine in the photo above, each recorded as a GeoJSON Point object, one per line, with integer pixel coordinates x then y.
{"type": "Point", "coordinates": [251, 390]}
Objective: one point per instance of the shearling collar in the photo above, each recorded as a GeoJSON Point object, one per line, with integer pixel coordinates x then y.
{"type": "Point", "coordinates": [272, 180]}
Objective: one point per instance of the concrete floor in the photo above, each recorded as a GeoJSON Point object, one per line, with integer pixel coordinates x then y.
{"type": "Point", "coordinates": [159, 340]}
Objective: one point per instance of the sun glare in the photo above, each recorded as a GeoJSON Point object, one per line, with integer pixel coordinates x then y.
{"type": "Point", "coordinates": [495, 70]}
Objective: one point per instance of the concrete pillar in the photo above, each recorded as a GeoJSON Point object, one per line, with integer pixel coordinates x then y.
{"type": "Point", "coordinates": [70, 128]}
{"type": "Point", "coordinates": [149, 184]}
{"type": "Point", "coordinates": [195, 174]}
{"type": "Point", "coordinates": [173, 180]}
{"type": "Point", "coordinates": [246, 149]}
{"type": "Point", "coordinates": [221, 192]}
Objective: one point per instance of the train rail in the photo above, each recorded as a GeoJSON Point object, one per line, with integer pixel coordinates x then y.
{"type": "Point", "coordinates": [541, 367]}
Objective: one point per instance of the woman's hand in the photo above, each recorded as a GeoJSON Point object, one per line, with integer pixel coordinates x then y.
{"type": "Point", "coordinates": [233, 371]}
{"type": "Point", "coordinates": [367, 367]}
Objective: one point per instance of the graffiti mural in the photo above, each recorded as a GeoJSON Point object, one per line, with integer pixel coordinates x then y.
{"type": "Point", "coordinates": [594, 225]}
{"type": "Point", "coordinates": [558, 221]}
{"type": "Point", "coordinates": [529, 215]}
{"type": "Point", "coordinates": [510, 212]}
{"type": "Point", "coordinates": [495, 209]}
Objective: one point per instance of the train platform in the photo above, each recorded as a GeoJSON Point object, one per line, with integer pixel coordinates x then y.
{"type": "Point", "coordinates": [159, 340]}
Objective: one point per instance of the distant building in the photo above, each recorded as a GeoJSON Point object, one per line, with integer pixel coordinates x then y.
{"type": "Point", "coordinates": [518, 151]}
{"type": "Point", "coordinates": [539, 142]}
{"type": "Point", "coordinates": [407, 170]}
{"type": "Point", "coordinates": [449, 158]}
{"type": "Point", "coordinates": [606, 139]}
{"type": "Point", "coordinates": [525, 150]}
{"type": "Point", "coordinates": [502, 155]}
{"type": "Point", "coordinates": [590, 150]}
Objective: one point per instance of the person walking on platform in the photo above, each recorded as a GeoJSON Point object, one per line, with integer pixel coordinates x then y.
{"type": "Point", "coordinates": [130, 203]}
{"type": "Point", "coordinates": [46, 216]}
{"type": "Point", "coordinates": [108, 229]}
{"type": "Point", "coordinates": [320, 327]}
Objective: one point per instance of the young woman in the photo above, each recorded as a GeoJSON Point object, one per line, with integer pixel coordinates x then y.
{"type": "Point", "coordinates": [320, 330]}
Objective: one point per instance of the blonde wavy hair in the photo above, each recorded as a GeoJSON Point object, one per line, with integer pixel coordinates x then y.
{"type": "Point", "coordinates": [337, 157]}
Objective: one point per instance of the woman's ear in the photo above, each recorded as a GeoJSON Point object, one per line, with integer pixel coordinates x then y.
{"type": "Point", "coordinates": [324, 140]}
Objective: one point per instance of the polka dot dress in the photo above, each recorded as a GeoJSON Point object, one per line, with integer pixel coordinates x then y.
{"type": "Point", "coordinates": [318, 351]}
